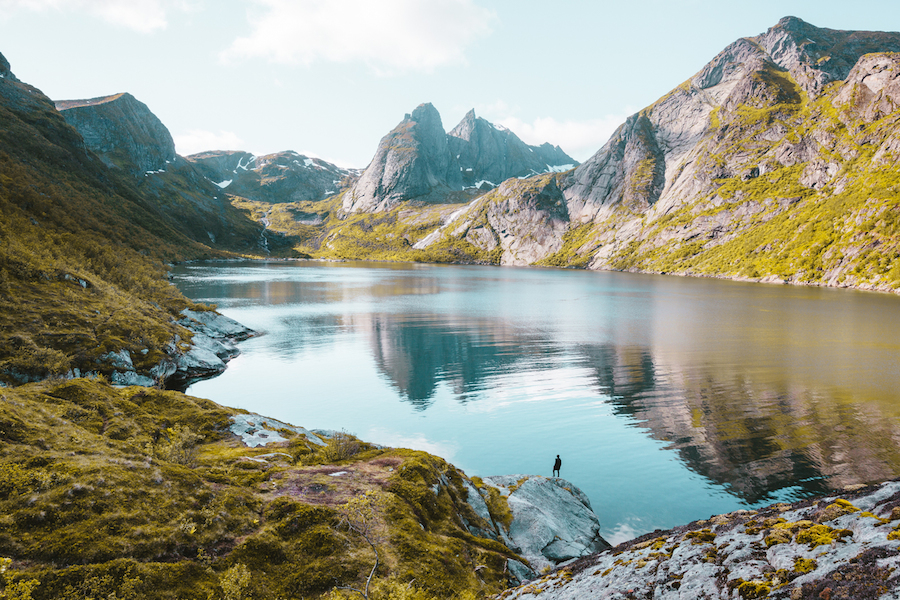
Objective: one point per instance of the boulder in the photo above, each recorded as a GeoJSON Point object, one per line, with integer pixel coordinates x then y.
{"type": "Point", "coordinates": [215, 325]}
{"type": "Point", "coordinates": [553, 521]}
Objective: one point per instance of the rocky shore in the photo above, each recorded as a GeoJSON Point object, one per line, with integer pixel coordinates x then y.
{"type": "Point", "coordinates": [845, 545]}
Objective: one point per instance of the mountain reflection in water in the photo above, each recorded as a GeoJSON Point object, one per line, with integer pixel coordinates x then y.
{"type": "Point", "coordinates": [768, 393]}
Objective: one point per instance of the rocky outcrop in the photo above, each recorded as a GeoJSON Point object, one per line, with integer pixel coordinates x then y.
{"type": "Point", "coordinates": [490, 154]}
{"type": "Point", "coordinates": [274, 178]}
{"type": "Point", "coordinates": [816, 56]}
{"type": "Point", "coordinates": [523, 220]}
{"type": "Point", "coordinates": [122, 131]}
{"type": "Point", "coordinates": [5, 72]}
{"type": "Point", "coordinates": [872, 88]}
{"type": "Point", "coordinates": [419, 161]}
{"type": "Point", "coordinates": [552, 520]}
{"type": "Point", "coordinates": [839, 546]}
{"type": "Point", "coordinates": [212, 344]}
{"type": "Point", "coordinates": [412, 162]}
{"type": "Point", "coordinates": [544, 521]}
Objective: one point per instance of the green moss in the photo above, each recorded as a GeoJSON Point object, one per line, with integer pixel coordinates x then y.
{"type": "Point", "coordinates": [753, 589]}
{"type": "Point", "coordinates": [817, 535]}
{"type": "Point", "coordinates": [702, 536]}
{"type": "Point", "coordinates": [575, 250]}
{"type": "Point", "coordinates": [805, 565]}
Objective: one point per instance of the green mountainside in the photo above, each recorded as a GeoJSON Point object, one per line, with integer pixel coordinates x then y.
{"type": "Point", "coordinates": [778, 161]}
{"type": "Point", "coordinates": [83, 247]}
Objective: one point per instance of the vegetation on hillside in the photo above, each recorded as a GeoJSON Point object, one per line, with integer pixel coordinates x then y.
{"type": "Point", "coordinates": [144, 493]}
{"type": "Point", "coordinates": [83, 250]}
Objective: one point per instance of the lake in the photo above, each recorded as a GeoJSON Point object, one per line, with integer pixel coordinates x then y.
{"type": "Point", "coordinates": [668, 399]}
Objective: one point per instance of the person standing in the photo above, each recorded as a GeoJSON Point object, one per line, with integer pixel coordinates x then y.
{"type": "Point", "coordinates": [556, 465]}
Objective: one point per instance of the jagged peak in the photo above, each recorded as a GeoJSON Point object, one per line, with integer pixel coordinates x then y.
{"type": "Point", "coordinates": [425, 113]}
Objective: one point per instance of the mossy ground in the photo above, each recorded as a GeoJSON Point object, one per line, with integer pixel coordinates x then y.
{"type": "Point", "coordinates": [146, 494]}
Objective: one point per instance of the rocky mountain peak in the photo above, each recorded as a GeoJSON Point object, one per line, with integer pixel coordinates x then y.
{"type": "Point", "coordinates": [817, 56]}
{"type": "Point", "coordinates": [413, 161]}
{"type": "Point", "coordinates": [418, 160]}
{"type": "Point", "coordinates": [5, 73]}
{"type": "Point", "coordinates": [280, 177]}
{"type": "Point", "coordinates": [122, 131]}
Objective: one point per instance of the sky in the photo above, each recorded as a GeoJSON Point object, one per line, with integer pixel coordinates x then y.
{"type": "Point", "coordinates": [329, 78]}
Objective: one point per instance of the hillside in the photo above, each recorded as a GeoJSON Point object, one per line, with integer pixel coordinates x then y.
{"type": "Point", "coordinates": [82, 275]}
{"type": "Point", "coordinates": [144, 493]}
{"type": "Point", "coordinates": [776, 162]}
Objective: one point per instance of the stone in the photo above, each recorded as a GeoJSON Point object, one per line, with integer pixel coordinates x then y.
{"type": "Point", "coordinates": [552, 519]}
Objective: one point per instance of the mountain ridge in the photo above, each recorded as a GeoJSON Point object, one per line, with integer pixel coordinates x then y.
{"type": "Point", "coordinates": [418, 160]}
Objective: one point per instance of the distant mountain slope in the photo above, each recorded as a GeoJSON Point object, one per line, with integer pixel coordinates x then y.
{"type": "Point", "coordinates": [128, 137]}
{"type": "Point", "coordinates": [418, 160]}
{"type": "Point", "coordinates": [81, 274]}
{"type": "Point", "coordinates": [122, 131]}
{"type": "Point", "coordinates": [274, 178]}
{"type": "Point", "coordinates": [491, 154]}
{"type": "Point", "coordinates": [778, 161]}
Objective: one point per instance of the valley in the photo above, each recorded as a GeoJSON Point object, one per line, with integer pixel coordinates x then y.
{"type": "Point", "coordinates": [777, 162]}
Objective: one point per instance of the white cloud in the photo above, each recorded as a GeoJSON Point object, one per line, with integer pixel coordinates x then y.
{"type": "Point", "coordinates": [579, 139]}
{"type": "Point", "coordinates": [198, 140]}
{"type": "Point", "coordinates": [387, 35]}
{"type": "Point", "coordinates": [144, 16]}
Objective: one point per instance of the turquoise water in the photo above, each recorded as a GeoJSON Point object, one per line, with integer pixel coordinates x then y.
{"type": "Point", "coordinates": [669, 399]}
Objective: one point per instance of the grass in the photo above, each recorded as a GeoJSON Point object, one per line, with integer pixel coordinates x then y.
{"type": "Point", "coordinates": [93, 496]}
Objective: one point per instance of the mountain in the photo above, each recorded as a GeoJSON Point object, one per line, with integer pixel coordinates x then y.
{"type": "Point", "coordinates": [418, 160]}
{"type": "Point", "coordinates": [82, 284]}
{"type": "Point", "coordinates": [273, 178]}
{"type": "Point", "coordinates": [122, 131]}
{"type": "Point", "coordinates": [489, 154]}
{"type": "Point", "coordinates": [776, 162]}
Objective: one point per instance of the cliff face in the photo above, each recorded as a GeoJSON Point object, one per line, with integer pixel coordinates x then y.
{"type": "Point", "coordinates": [791, 126]}
{"type": "Point", "coordinates": [489, 155]}
{"type": "Point", "coordinates": [412, 162]}
{"type": "Point", "coordinates": [122, 131]}
{"type": "Point", "coordinates": [419, 161]}
{"type": "Point", "coordinates": [273, 178]}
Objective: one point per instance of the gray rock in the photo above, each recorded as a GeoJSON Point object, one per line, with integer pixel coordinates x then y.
{"type": "Point", "coordinates": [520, 571]}
{"type": "Point", "coordinates": [119, 360]}
{"type": "Point", "coordinates": [552, 519]}
{"type": "Point", "coordinates": [127, 378]}
{"type": "Point", "coordinates": [419, 161]}
{"type": "Point", "coordinates": [257, 430]}
{"type": "Point", "coordinates": [215, 325]}
{"type": "Point", "coordinates": [122, 131]}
